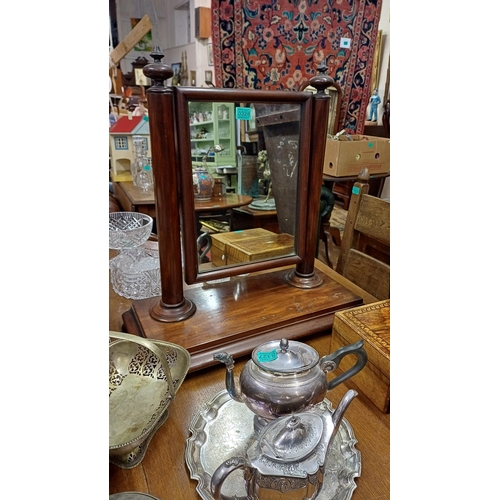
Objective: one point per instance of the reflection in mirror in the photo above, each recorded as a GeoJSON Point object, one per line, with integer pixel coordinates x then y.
{"type": "Point", "coordinates": [256, 178]}
{"type": "Point", "coordinates": [271, 180]}
{"type": "Point", "coordinates": [279, 126]}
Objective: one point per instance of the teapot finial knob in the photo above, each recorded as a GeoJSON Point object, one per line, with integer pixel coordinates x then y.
{"type": "Point", "coordinates": [284, 345]}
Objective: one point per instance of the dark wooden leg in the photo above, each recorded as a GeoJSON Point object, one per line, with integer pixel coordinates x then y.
{"type": "Point", "coordinates": [329, 236]}
{"type": "Point", "coordinates": [381, 187]}
{"type": "Point", "coordinates": [335, 234]}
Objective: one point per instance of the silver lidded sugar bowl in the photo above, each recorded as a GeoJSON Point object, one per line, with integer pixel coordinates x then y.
{"type": "Point", "coordinates": [285, 377]}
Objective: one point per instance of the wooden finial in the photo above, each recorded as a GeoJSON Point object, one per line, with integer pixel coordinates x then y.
{"type": "Point", "coordinates": [158, 71]}
{"type": "Point", "coordinates": [321, 81]}
{"type": "Point", "coordinates": [364, 175]}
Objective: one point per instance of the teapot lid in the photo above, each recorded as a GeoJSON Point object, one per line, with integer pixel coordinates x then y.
{"type": "Point", "coordinates": [294, 445]}
{"type": "Point", "coordinates": [292, 438]}
{"type": "Point", "coordinates": [284, 356]}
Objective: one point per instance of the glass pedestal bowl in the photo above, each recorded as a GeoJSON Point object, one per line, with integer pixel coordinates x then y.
{"type": "Point", "coordinates": [135, 271]}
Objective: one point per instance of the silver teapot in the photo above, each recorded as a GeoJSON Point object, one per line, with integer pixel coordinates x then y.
{"type": "Point", "coordinates": [285, 377]}
{"type": "Point", "coordinates": [287, 458]}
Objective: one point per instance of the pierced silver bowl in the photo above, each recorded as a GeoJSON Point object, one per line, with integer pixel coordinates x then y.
{"type": "Point", "coordinates": [144, 377]}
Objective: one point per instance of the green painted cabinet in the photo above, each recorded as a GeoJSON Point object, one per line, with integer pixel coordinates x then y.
{"type": "Point", "coordinates": [212, 124]}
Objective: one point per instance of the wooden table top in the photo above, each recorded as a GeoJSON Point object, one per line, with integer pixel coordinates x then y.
{"type": "Point", "coordinates": [164, 474]}
{"type": "Point", "coordinates": [330, 178]}
{"type": "Point", "coordinates": [230, 200]}
{"type": "Point", "coordinates": [136, 194]}
{"type": "Point", "coordinates": [256, 213]}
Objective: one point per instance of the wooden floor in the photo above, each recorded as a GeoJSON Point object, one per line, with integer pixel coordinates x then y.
{"type": "Point", "coordinates": [337, 220]}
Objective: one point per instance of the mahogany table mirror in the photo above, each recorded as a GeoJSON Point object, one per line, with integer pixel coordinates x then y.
{"type": "Point", "coordinates": [284, 121]}
{"type": "Point", "coordinates": [290, 295]}
{"type": "Point", "coordinates": [293, 125]}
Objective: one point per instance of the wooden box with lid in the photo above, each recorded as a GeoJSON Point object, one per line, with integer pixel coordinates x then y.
{"type": "Point", "coordinates": [249, 245]}
{"type": "Point", "coordinates": [262, 247]}
{"type": "Point", "coordinates": [220, 242]}
{"type": "Point", "coordinates": [370, 322]}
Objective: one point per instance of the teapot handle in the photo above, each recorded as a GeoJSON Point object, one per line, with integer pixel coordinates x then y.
{"type": "Point", "coordinates": [221, 473]}
{"type": "Point", "coordinates": [331, 361]}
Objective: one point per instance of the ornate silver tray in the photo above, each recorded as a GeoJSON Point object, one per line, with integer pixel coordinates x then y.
{"type": "Point", "coordinates": [223, 428]}
{"type": "Point", "coordinates": [132, 495]}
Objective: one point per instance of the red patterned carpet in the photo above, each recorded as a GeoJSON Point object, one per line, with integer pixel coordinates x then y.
{"type": "Point", "coordinates": [278, 44]}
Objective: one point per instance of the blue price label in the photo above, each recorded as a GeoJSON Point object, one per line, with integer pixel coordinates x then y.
{"type": "Point", "coordinates": [243, 113]}
{"type": "Point", "coordinates": [355, 190]}
{"type": "Point", "coordinates": [265, 357]}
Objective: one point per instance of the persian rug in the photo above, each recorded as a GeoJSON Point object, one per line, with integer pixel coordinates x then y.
{"type": "Point", "coordinates": [278, 44]}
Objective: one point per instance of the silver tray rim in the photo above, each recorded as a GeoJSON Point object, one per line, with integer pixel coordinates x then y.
{"type": "Point", "coordinates": [131, 495]}
{"type": "Point", "coordinates": [206, 415]}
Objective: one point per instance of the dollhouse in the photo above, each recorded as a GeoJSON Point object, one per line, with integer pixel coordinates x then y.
{"type": "Point", "coordinates": [121, 146]}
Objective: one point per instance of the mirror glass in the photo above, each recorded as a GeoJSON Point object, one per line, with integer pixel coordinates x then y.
{"type": "Point", "coordinates": [244, 170]}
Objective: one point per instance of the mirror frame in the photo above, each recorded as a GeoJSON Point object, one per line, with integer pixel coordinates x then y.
{"type": "Point", "coordinates": [184, 95]}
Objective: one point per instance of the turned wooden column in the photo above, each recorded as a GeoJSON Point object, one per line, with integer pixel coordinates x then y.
{"type": "Point", "coordinates": [304, 276]}
{"type": "Point", "coordinates": [172, 306]}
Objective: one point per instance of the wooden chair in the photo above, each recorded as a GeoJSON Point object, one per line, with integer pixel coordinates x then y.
{"type": "Point", "coordinates": [364, 250]}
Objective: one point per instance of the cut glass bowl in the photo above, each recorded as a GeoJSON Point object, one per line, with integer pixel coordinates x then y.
{"type": "Point", "coordinates": [128, 229]}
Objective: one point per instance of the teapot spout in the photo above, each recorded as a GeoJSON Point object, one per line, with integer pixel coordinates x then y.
{"type": "Point", "coordinates": [341, 409]}
{"type": "Point", "coordinates": [231, 388]}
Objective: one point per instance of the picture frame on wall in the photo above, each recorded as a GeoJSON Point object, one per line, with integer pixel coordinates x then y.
{"type": "Point", "coordinates": [208, 77]}
{"type": "Point", "coordinates": [140, 78]}
{"type": "Point", "coordinates": [176, 68]}
{"type": "Point", "coordinates": [210, 54]}
{"type": "Point", "coordinates": [145, 44]}
{"type": "Point", "coordinates": [249, 129]}
{"type": "Point", "coordinates": [377, 58]}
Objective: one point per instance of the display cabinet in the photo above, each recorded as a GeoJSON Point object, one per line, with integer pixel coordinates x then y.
{"type": "Point", "coordinates": [211, 124]}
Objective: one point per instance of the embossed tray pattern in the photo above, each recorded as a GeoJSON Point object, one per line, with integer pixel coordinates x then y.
{"type": "Point", "coordinates": [223, 428]}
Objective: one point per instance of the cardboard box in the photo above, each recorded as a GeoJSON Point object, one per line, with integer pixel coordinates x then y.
{"type": "Point", "coordinates": [344, 158]}
{"type": "Point", "coordinates": [220, 241]}
{"type": "Point", "coordinates": [371, 323]}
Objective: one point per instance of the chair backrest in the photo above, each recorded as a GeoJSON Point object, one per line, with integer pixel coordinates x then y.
{"type": "Point", "coordinates": [364, 251]}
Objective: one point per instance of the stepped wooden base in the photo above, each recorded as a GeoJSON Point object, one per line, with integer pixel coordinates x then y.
{"type": "Point", "coordinates": [237, 315]}
{"type": "Point", "coordinates": [166, 314]}
{"type": "Point", "coordinates": [294, 279]}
